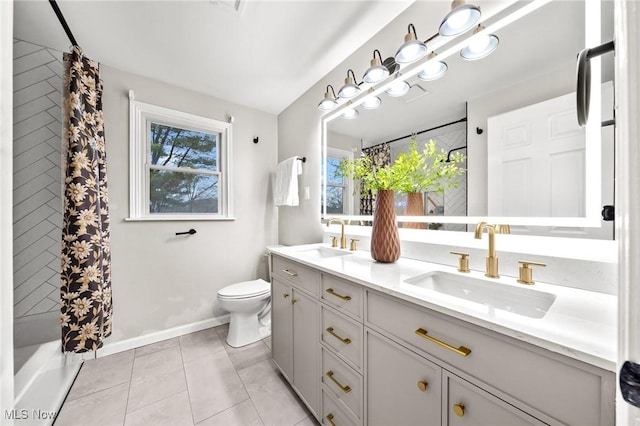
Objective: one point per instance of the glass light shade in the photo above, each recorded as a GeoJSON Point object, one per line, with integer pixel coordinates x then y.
{"type": "Point", "coordinates": [398, 88]}
{"type": "Point", "coordinates": [480, 46]}
{"type": "Point", "coordinates": [433, 69]}
{"type": "Point", "coordinates": [376, 73]}
{"type": "Point", "coordinates": [461, 18]}
{"type": "Point", "coordinates": [350, 114]}
{"type": "Point", "coordinates": [349, 90]}
{"type": "Point", "coordinates": [411, 50]}
{"type": "Point", "coordinates": [328, 103]}
{"type": "Point", "coordinates": [372, 102]}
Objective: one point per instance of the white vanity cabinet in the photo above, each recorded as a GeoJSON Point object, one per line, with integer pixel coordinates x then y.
{"type": "Point", "coordinates": [295, 324]}
{"type": "Point", "coordinates": [358, 357]}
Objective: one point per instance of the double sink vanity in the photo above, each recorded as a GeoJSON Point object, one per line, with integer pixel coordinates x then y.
{"type": "Point", "coordinates": [414, 342]}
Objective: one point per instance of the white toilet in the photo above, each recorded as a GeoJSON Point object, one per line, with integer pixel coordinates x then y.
{"type": "Point", "coordinates": [249, 305]}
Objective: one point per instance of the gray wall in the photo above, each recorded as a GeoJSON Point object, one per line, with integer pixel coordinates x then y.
{"type": "Point", "coordinates": [160, 280]}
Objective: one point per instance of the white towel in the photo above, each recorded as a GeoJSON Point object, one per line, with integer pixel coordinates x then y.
{"type": "Point", "coordinates": [286, 190]}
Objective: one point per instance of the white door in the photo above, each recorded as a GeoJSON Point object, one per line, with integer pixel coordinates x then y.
{"type": "Point", "coordinates": [536, 165]}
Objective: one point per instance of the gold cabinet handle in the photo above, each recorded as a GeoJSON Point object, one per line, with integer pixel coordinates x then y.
{"type": "Point", "coordinates": [330, 419]}
{"type": "Point", "coordinates": [293, 301]}
{"type": "Point", "coordinates": [285, 295]}
{"type": "Point", "coordinates": [459, 409]}
{"type": "Point", "coordinates": [333, 292]}
{"type": "Point", "coordinates": [345, 389]}
{"type": "Point", "coordinates": [344, 340]}
{"type": "Point", "coordinates": [422, 385]}
{"type": "Point", "coordinates": [291, 273]}
{"type": "Point", "coordinates": [460, 350]}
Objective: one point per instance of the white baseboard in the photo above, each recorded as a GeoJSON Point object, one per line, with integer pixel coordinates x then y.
{"type": "Point", "coordinates": [147, 339]}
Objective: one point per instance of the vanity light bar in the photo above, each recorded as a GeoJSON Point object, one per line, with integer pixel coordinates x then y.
{"type": "Point", "coordinates": [421, 68]}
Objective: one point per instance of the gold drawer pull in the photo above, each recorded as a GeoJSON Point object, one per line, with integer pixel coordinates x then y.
{"type": "Point", "coordinates": [293, 301]}
{"type": "Point", "coordinates": [459, 409]}
{"type": "Point", "coordinates": [422, 385]}
{"type": "Point", "coordinates": [330, 417]}
{"type": "Point", "coordinates": [332, 292]}
{"type": "Point", "coordinates": [460, 351]}
{"type": "Point", "coordinates": [345, 389]}
{"type": "Point", "coordinates": [344, 340]}
{"type": "Point", "coordinates": [288, 272]}
{"type": "Point", "coordinates": [285, 295]}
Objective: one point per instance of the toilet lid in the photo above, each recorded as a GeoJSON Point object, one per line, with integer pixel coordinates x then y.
{"type": "Point", "coordinates": [245, 289]}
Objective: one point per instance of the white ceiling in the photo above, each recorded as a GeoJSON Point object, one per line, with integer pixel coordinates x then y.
{"type": "Point", "coordinates": [265, 57]}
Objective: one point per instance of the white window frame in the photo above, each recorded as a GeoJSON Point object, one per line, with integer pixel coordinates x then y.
{"type": "Point", "coordinates": [140, 116]}
{"type": "Point", "coordinates": [347, 183]}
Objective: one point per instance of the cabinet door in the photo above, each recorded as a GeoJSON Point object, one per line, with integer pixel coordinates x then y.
{"type": "Point", "coordinates": [467, 404]}
{"type": "Point", "coordinates": [306, 348]}
{"type": "Point", "coordinates": [281, 327]}
{"type": "Point", "coordinates": [402, 387]}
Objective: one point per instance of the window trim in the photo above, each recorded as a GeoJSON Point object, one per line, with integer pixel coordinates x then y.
{"type": "Point", "coordinates": [140, 114]}
{"type": "Point", "coordinates": [348, 205]}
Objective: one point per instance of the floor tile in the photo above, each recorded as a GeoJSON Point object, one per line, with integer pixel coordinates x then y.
{"type": "Point", "coordinates": [274, 400]}
{"type": "Point", "coordinates": [157, 363]}
{"type": "Point", "coordinates": [102, 373]}
{"type": "Point", "coordinates": [213, 385]}
{"type": "Point", "coordinates": [200, 344]}
{"type": "Point", "coordinates": [172, 411]}
{"type": "Point", "coordinates": [102, 408]}
{"type": "Point", "coordinates": [222, 331]}
{"type": "Point", "coordinates": [248, 355]}
{"type": "Point", "coordinates": [158, 346]}
{"type": "Point", "coordinates": [243, 414]}
{"type": "Point", "coordinates": [148, 389]}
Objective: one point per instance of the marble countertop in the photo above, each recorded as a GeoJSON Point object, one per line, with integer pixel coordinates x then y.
{"type": "Point", "coordinates": [579, 324]}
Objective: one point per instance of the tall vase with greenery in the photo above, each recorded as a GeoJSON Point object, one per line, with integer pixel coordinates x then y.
{"type": "Point", "coordinates": [382, 180]}
{"type": "Point", "coordinates": [430, 170]}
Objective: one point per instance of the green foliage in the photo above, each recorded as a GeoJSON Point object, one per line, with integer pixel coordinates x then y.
{"type": "Point", "coordinates": [412, 171]}
{"type": "Point", "coordinates": [428, 170]}
{"type": "Point", "coordinates": [373, 176]}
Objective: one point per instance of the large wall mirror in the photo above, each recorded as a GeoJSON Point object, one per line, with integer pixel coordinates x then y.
{"type": "Point", "coordinates": [487, 109]}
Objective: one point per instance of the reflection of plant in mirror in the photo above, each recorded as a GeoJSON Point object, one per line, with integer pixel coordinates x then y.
{"type": "Point", "coordinates": [428, 170]}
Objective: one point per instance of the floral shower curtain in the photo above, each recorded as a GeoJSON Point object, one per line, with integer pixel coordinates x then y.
{"type": "Point", "coordinates": [380, 156]}
{"type": "Point", "coordinates": [85, 283]}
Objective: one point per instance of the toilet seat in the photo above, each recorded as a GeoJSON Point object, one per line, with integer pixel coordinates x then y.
{"type": "Point", "coordinates": [245, 290]}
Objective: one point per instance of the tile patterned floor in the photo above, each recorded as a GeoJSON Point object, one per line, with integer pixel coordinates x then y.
{"type": "Point", "coordinates": [196, 379]}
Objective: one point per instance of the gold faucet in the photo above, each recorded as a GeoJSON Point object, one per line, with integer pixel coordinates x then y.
{"type": "Point", "coordinates": [492, 259]}
{"type": "Point", "coordinates": [343, 239]}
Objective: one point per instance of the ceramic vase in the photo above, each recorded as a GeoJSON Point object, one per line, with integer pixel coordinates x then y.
{"type": "Point", "coordinates": [385, 241]}
{"type": "Point", "coordinates": [415, 207]}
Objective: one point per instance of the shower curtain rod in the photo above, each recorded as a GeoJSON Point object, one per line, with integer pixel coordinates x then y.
{"type": "Point", "coordinates": [63, 22]}
{"type": "Point", "coordinates": [462, 120]}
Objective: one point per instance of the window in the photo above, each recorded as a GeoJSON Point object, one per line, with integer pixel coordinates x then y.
{"type": "Point", "coordinates": [339, 190]}
{"type": "Point", "coordinates": [180, 165]}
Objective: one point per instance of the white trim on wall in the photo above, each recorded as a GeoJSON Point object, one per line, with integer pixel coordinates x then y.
{"type": "Point", "coordinates": [627, 68]}
{"type": "Point", "coordinates": [6, 209]}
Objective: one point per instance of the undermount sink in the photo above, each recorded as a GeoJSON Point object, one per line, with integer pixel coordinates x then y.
{"type": "Point", "coordinates": [518, 300]}
{"type": "Point", "coordinates": [323, 252]}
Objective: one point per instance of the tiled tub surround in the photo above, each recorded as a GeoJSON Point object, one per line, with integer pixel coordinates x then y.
{"type": "Point", "coordinates": [372, 335]}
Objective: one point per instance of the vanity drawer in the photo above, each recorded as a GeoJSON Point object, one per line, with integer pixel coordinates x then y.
{"type": "Point", "coordinates": [567, 390]}
{"type": "Point", "coordinates": [342, 295]}
{"type": "Point", "coordinates": [343, 336]}
{"type": "Point", "coordinates": [344, 383]}
{"type": "Point", "coordinates": [467, 404]}
{"type": "Point", "coordinates": [302, 276]}
{"type": "Point", "coordinates": [332, 414]}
